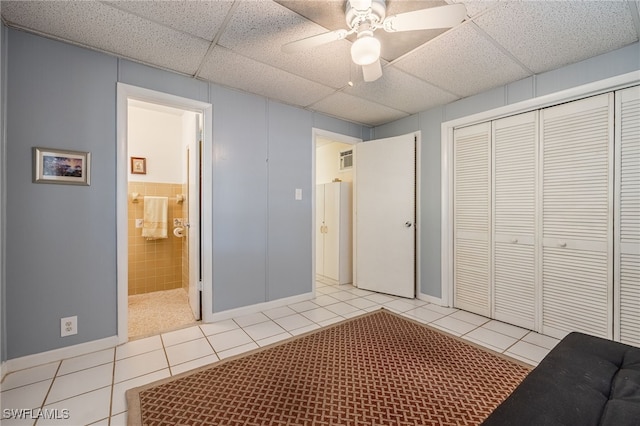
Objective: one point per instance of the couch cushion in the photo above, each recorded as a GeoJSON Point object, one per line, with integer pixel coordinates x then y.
{"type": "Point", "coordinates": [584, 380]}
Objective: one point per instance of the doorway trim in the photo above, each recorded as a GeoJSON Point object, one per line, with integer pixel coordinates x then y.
{"type": "Point", "coordinates": [124, 93]}
{"type": "Point", "coordinates": [335, 137]}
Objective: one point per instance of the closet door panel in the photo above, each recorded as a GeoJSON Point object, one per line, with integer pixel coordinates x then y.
{"type": "Point", "coordinates": [575, 291]}
{"type": "Point", "coordinates": [514, 280]}
{"type": "Point", "coordinates": [627, 271]}
{"type": "Point", "coordinates": [514, 219]}
{"type": "Point", "coordinates": [472, 219]}
{"type": "Point", "coordinates": [576, 154]}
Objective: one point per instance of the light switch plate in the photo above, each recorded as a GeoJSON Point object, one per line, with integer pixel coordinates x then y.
{"type": "Point", "coordinates": [298, 194]}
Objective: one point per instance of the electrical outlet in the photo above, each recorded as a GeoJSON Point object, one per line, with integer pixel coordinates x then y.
{"type": "Point", "coordinates": [68, 326]}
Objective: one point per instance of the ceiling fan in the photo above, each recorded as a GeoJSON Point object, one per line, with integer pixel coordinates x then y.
{"type": "Point", "coordinates": [363, 17]}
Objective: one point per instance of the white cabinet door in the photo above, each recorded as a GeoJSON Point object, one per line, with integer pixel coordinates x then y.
{"type": "Point", "coordinates": [332, 230]}
{"type": "Point", "coordinates": [320, 229]}
{"type": "Point", "coordinates": [472, 218]}
{"type": "Point", "coordinates": [576, 148]}
{"type": "Point", "coordinates": [627, 267]}
{"type": "Point", "coordinates": [515, 141]}
{"type": "Point", "coordinates": [385, 215]}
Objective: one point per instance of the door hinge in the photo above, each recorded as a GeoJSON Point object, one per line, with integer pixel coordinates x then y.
{"type": "Point", "coordinates": [199, 286]}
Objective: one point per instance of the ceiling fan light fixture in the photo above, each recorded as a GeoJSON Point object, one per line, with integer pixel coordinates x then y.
{"type": "Point", "coordinates": [365, 50]}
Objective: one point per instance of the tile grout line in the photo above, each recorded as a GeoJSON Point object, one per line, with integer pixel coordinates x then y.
{"type": "Point", "coordinates": [113, 384]}
{"type": "Point", "coordinates": [55, 375]}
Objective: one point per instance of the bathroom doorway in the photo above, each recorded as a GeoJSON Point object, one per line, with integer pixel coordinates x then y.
{"type": "Point", "coordinates": [164, 145]}
{"type": "Point", "coordinates": [147, 169]}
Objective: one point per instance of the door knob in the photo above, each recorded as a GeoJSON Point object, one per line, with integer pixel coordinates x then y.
{"type": "Point", "coordinates": [408, 224]}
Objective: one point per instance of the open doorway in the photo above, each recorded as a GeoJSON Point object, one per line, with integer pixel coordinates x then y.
{"type": "Point", "coordinates": [163, 212]}
{"type": "Point", "coordinates": [162, 208]}
{"type": "Point", "coordinates": [333, 211]}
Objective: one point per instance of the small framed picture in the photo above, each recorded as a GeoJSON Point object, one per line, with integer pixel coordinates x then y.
{"type": "Point", "coordinates": [61, 166]}
{"type": "Point", "coordinates": [139, 165]}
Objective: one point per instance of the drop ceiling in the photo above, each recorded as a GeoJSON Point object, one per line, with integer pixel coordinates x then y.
{"type": "Point", "coordinates": [237, 44]}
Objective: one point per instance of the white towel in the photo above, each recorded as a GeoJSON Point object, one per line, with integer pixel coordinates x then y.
{"type": "Point", "coordinates": [155, 217]}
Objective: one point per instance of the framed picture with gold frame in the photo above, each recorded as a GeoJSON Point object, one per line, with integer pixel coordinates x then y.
{"type": "Point", "coordinates": [138, 165]}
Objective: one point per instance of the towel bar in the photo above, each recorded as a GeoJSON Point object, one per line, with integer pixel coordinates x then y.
{"type": "Point", "coordinates": [135, 197]}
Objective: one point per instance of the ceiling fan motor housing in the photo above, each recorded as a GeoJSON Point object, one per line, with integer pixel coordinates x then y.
{"type": "Point", "coordinates": [359, 11]}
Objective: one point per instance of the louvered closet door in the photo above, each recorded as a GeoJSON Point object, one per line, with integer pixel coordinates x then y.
{"type": "Point", "coordinates": [577, 183]}
{"type": "Point", "coordinates": [627, 270]}
{"type": "Point", "coordinates": [472, 202]}
{"type": "Point", "coordinates": [514, 220]}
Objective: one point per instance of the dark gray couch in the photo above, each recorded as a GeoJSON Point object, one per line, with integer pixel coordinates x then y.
{"type": "Point", "coordinates": [583, 381]}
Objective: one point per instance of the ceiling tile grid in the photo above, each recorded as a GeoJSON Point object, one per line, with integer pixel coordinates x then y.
{"type": "Point", "coordinates": [199, 18]}
{"type": "Point", "coordinates": [549, 35]}
{"type": "Point", "coordinates": [401, 91]}
{"type": "Point", "coordinates": [238, 44]}
{"type": "Point", "coordinates": [462, 62]}
{"type": "Point", "coordinates": [356, 109]}
{"type": "Point", "coordinates": [105, 28]}
{"type": "Point", "coordinates": [230, 69]}
{"type": "Point", "coordinates": [259, 29]}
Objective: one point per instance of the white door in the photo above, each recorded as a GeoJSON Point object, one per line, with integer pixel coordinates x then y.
{"type": "Point", "coordinates": [576, 147]}
{"type": "Point", "coordinates": [472, 218]}
{"type": "Point", "coordinates": [385, 215]}
{"type": "Point", "coordinates": [193, 234]}
{"type": "Point", "coordinates": [627, 222]}
{"type": "Point", "coordinates": [515, 141]}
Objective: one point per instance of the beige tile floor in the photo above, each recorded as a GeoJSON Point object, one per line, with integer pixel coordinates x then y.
{"type": "Point", "coordinates": [91, 388]}
{"type": "Point", "coordinates": [158, 311]}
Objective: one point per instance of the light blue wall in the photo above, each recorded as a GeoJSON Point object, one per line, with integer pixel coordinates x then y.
{"type": "Point", "coordinates": [60, 239]}
{"type": "Point", "coordinates": [289, 222]}
{"type": "Point", "coordinates": [240, 196]}
{"type": "Point", "coordinates": [61, 256]}
{"type": "Point", "coordinates": [429, 123]}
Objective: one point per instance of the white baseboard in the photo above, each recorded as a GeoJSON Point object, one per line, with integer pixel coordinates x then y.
{"type": "Point", "coordinates": [431, 299]}
{"type": "Point", "coordinates": [259, 307]}
{"type": "Point", "coordinates": [29, 361]}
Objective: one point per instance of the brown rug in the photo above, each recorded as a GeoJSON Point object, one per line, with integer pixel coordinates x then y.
{"type": "Point", "coordinates": [376, 369]}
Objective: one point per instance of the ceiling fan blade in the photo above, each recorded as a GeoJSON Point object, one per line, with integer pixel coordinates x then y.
{"type": "Point", "coordinates": [372, 72]}
{"type": "Point", "coordinates": [314, 41]}
{"type": "Point", "coordinates": [426, 19]}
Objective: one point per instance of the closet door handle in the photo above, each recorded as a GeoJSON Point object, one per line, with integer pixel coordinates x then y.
{"type": "Point", "coordinates": [514, 241]}
{"type": "Point", "coordinates": [562, 244]}
{"type": "Point", "coordinates": [408, 224]}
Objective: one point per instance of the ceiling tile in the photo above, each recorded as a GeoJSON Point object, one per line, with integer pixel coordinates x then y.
{"type": "Point", "coordinates": [358, 110]}
{"type": "Point", "coordinates": [476, 7]}
{"type": "Point", "coordinates": [462, 62]}
{"type": "Point", "coordinates": [199, 18]}
{"type": "Point", "coordinates": [230, 69]}
{"type": "Point", "coordinates": [259, 29]}
{"type": "Point", "coordinates": [502, 41]}
{"type": "Point", "coordinates": [401, 91]}
{"type": "Point", "coordinates": [547, 35]}
{"type": "Point", "coordinates": [102, 27]}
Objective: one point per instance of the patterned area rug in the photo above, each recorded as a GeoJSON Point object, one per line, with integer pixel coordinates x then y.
{"type": "Point", "coordinates": [376, 369]}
